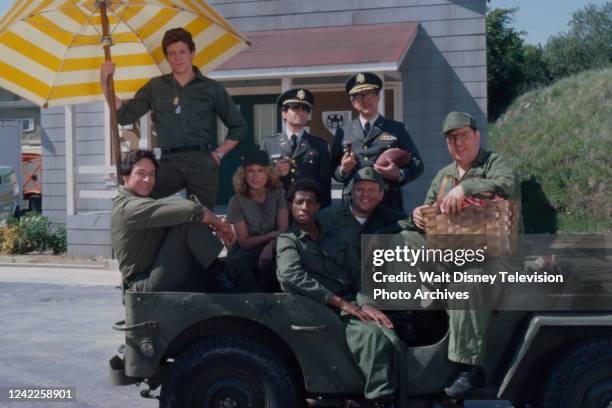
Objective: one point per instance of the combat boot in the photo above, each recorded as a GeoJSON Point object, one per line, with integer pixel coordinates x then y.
{"type": "Point", "coordinates": [468, 380]}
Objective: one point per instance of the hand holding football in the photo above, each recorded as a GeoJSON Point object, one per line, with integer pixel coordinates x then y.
{"type": "Point", "coordinates": [394, 155]}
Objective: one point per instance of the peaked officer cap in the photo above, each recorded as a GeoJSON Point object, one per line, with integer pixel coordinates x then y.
{"type": "Point", "coordinates": [296, 96]}
{"type": "Point", "coordinates": [363, 81]}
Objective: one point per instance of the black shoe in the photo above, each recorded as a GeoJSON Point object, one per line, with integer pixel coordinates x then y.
{"type": "Point", "coordinates": [468, 380]}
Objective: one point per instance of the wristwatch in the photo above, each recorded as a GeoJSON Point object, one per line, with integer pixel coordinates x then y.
{"type": "Point", "coordinates": [220, 154]}
{"type": "Point", "coordinates": [402, 176]}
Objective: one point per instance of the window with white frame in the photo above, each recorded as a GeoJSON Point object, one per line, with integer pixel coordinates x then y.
{"type": "Point", "coordinates": [264, 121]}
{"type": "Point", "coordinates": [27, 125]}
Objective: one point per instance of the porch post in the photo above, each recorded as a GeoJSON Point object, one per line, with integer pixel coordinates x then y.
{"type": "Point", "coordinates": [286, 84]}
{"type": "Point", "coordinates": [69, 128]}
{"type": "Point", "coordinates": [107, 137]}
{"type": "Point", "coordinates": [381, 102]}
{"type": "Point", "coordinates": [145, 132]}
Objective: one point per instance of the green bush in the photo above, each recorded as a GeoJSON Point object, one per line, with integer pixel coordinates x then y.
{"type": "Point", "coordinates": [32, 232]}
{"type": "Point", "coordinates": [558, 138]}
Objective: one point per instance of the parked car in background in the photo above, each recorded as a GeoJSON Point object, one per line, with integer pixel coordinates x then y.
{"type": "Point", "coordinates": [9, 193]}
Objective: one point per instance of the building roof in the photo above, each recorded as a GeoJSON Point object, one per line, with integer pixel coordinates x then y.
{"type": "Point", "coordinates": [320, 51]}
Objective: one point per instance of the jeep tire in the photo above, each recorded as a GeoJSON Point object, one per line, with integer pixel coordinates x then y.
{"type": "Point", "coordinates": [229, 371]}
{"type": "Point", "coordinates": [582, 378]}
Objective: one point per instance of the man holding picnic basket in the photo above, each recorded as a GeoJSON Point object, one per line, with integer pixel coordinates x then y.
{"type": "Point", "coordinates": [476, 177]}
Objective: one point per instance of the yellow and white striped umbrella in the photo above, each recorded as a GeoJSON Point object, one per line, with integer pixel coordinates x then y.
{"type": "Point", "coordinates": [51, 50]}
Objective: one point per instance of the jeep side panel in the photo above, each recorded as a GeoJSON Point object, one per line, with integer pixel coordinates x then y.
{"type": "Point", "coordinates": [311, 331]}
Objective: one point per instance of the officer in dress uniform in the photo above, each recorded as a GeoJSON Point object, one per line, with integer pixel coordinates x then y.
{"type": "Point", "coordinates": [359, 143]}
{"type": "Point", "coordinates": [295, 153]}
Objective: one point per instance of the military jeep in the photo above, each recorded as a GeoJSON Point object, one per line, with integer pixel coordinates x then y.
{"type": "Point", "coordinates": [282, 351]}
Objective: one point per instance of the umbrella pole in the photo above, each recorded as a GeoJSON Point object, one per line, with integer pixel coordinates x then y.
{"type": "Point", "coordinates": [107, 42]}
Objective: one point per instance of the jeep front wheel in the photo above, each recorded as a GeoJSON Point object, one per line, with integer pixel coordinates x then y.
{"type": "Point", "coordinates": [582, 378]}
{"type": "Point", "coordinates": [229, 372]}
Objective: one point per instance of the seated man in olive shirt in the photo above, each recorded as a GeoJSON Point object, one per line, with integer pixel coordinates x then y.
{"type": "Point", "coordinates": [157, 241]}
{"type": "Point", "coordinates": [312, 264]}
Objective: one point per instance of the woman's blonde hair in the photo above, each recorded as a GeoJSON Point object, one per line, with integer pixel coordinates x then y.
{"type": "Point", "coordinates": [241, 187]}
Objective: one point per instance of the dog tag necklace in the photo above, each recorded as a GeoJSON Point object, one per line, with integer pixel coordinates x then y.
{"type": "Point", "coordinates": [175, 101]}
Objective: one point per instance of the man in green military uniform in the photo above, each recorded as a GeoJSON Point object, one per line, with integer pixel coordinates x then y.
{"type": "Point", "coordinates": [311, 263]}
{"type": "Point", "coordinates": [185, 105]}
{"type": "Point", "coordinates": [156, 241]}
{"type": "Point", "coordinates": [475, 172]}
{"type": "Point", "coordinates": [364, 213]}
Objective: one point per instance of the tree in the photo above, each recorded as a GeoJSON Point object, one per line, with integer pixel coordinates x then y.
{"type": "Point", "coordinates": [586, 45]}
{"type": "Point", "coordinates": [505, 59]}
{"type": "Point", "coordinates": [536, 72]}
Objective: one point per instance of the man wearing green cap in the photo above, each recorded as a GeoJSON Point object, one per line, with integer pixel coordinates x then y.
{"type": "Point", "coordinates": [475, 172]}
{"type": "Point", "coordinates": [361, 142]}
{"type": "Point", "coordinates": [295, 153]}
{"type": "Point", "coordinates": [364, 213]}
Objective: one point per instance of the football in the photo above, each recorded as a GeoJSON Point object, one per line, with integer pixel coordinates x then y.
{"type": "Point", "coordinates": [396, 155]}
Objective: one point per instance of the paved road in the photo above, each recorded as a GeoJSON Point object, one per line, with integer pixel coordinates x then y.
{"type": "Point", "coordinates": [60, 335]}
{"type": "Point", "coordinates": [54, 334]}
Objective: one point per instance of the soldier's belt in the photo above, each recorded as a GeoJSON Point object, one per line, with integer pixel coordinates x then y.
{"type": "Point", "coordinates": [189, 148]}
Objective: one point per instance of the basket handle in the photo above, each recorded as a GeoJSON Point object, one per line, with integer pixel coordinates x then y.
{"type": "Point", "coordinates": [442, 191]}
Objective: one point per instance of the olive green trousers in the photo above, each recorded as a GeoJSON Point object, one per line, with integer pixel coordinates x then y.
{"type": "Point", "coordinates": [381, 356]}
{"type": "Point", "coordinates": [197, 172]}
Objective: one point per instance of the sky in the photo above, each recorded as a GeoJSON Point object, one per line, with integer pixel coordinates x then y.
{"type": "Point", "coordinates": [542, 18]}
{"type": "Point", "coordinates": [538, 18]}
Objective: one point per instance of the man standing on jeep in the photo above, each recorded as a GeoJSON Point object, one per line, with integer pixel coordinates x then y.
{"type": "Point", "coordinates": [184, 105]}
{"type": "Point", "coordinates": [331, 278]}
{"type": "Point", "coordinates": [474, 172]}
{"type": "Point", "coordinates": [157, 241]}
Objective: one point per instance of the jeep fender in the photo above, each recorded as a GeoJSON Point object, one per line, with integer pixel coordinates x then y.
{"type": "Point", "coordinates": [545, 338]}
{"type": "Point", "coordinates": [163, 324]}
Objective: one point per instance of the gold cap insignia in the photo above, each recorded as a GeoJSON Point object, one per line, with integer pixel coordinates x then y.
{"type": "Point", "coordinates": [360, 78]}
{"type": "Point", "coordinates": [301, 94]}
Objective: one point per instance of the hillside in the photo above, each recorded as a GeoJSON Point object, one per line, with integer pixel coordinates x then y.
{"type": "Point", "coordinates": [559, 140]}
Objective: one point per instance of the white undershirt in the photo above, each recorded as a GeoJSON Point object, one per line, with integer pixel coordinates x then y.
{"type": "Point", "coordinates": [360, 220]}
{"type": "Point", "coordinates": [363, 121]}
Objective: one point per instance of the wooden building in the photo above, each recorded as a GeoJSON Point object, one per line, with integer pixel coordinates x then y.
{"type": "Point", "coordinates": [431, 54]}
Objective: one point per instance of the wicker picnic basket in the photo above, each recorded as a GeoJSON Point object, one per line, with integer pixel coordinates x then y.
{"type": "Point", "coordinates": [493, 225]}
